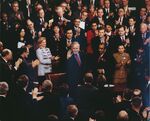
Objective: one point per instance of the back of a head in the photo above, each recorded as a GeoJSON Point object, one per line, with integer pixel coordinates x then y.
{"type": "Point", "coordinates": [22, 50]}
{"type": "Point", "coordinates": [5, 52]}
{"type": "Point", "coordinates": [47, 86]}
{"type": "Point", "coordinates": [64, 89]}
{"type": "Point", "coordinates": [100, 115]}
{"type": "Point", "coordinates": [127, 94]}
{"type": "Point", "coordinates": [122, 116]}
{"type": "Point", "coordinates": [88, 77]}
{"type": "Point", "coordinates": [136, 102]}
{"type": "Point", "coordinates": [4, 88]}
{"type": "Point", "coordinates": [22, 81]}
{"type": "Point", "coordinates": [72, 110]}
{"type": "Point", "coordinates": [52, 118]}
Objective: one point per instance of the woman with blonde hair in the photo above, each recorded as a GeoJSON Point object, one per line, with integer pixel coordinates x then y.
{"type": "Point", "coordinates": [45, 57]}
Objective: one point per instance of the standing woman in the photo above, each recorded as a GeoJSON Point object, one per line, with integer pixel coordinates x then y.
{"type": "Point", "coordinates": [122, 60]}
{"type": "Point", "coordinates": [45, 57]}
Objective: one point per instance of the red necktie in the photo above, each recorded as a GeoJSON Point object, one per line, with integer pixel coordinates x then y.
{"type": "Point", "coordinates": [78, 59]}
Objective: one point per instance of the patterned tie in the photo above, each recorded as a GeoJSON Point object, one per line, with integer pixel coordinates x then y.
{"type": "Point", "coordinates": [77, 59]}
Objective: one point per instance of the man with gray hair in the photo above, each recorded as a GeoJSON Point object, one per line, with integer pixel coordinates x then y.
{"type": "Point", "coordinates": [3, 101]}
{"type": "Point", "coordinates": [122, 116]}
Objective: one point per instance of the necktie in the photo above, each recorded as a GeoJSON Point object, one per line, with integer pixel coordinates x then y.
{"type": "Point", "coordinates": [120, 20]}
{"type": "Point", "coordinates": [107, 11]}
{"type": "Point", "coordinates": [123, 39]}
{"type": "Point", "coordinates": [77, 59]}
{"type": "Point", "coordinates": [91, 2]}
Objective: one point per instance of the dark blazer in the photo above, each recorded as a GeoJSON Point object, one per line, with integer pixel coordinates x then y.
{"type": "Point", "coordinates": [116, 41]}
{"type": "Point", "coordinates": [74, 71]}
{"type": "Point", "coordinates": [6, 72]}
{"type": "Point", "coordinates": [107, 18]}
{"type": "Point", "coordinates": [95, 43]}
{"type": "Point", "coordinates": [5, 109]}
{"type": "Point", "coordinates": [87, 3]}
{"type": "Point", "coordinates": [50, 104]}
{"type": "Point", "coordinates": [26, 68]}
{"type": "Point", "coordinates": [39, 25]}
{"type": "Point", "coordinates": [22, 104]}
{"type": "Point", "coordinates": [85, 97]}
{"type": "Point", "coordinates": [125, 20]}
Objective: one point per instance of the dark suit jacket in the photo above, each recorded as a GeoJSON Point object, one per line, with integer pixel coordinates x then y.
{"type": "Point", "coordinates": [74, 71]}
{"type": "Point", "coordinates": [22, 104]}
{"type": "Point", "coordinates": [6, 73]}
{"type": "Point", "coordinates": [39, 25]}
{"type": "Point", "coordinates": [50, 104]}
{"type": "Point", "coordinates": [5, 109]}
{"type": "Point", "coordinates": [85, 97]}
{"type": "Point", "coordinates": [25, 68]}
{"type": "Point", "coordinates": [87, 3]}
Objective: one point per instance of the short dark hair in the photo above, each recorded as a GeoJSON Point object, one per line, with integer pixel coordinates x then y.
{"type": "Point", "coordinates": [136, 102]}
{"type": "Point", "coordinates": [22, 50]}
{"type": "Point", "coordinates": [88, 77]}
{"type": "Point", "coordinates": [22, 81]}
{"type": "Point", "coordinates": [101, 28]}
{"type": "Point", "coordinates": [100, 115]}
{"type": "Point", "coordinates": [47, 86]}
{"type": "Point", "coordinates": [120, 26]}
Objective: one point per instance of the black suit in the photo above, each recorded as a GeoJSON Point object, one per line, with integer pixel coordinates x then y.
{"type": "Point", "coordinates": [87, 3]}
{"type": "Point", "coordinates": [116, 41]}
{"type": "Point", "coordinates": [96, 41]}
{"type": "Point", "coordinates": [6, 72]}
{"type": "Point", "coordinates": [108, 19]}
{"type": "Point", "coordinates": [39, 23]}
{"type": "Point", "coordinates": [74, 71]}
{"type": "Point", "coordinates": [22, 105]}
{"type": "Point", "coordinates": [50, 104]}
{"type": "Point", "coordinates": [85, 96]}
{"type": "Point", "coordinates": [5, 109]}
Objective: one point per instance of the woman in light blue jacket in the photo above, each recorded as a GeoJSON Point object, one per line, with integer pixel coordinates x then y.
{"type": "Point", "coordinates": [45, 57]}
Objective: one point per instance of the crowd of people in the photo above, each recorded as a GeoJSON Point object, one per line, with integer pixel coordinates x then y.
{"type": "Point", "coordinates": [101, 46]}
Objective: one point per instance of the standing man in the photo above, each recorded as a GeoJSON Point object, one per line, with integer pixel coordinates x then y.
{"type": "Point", "coordinates": [75, 66]}
{"type": "Point", "coordinates": [6, 68]}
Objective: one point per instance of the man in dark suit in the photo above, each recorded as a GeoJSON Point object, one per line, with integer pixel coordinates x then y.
{"type": "Point", "coordinates": [75, 66]}
{"type": "Point", "coordinates": [6, 68]}
{"type": "Point", "coordinates": [22, 100]}
{"type": "Point", "coordinates": [16, 17]}
{"type": "Point", "coordinates": [99, 19]}
{"type": "Point", "coordinates": [41, 21]}
{"type": "Point", "coordinates": [120, 38]}
{"type": "Point", "coordinates": [46, 103]}
{"type": "Point", "coordinates": [101, 38]}
{"type": "Point", "coordinates": [103, 61]}
{"type": "Point", "coordinates": [72, 111]}
{"type": "Point", "coordinates": [85, 96]}
{"type": "Point", "coordinates": [68, 39]}
{"type": "Point", "coordinates": [108, 11]}
{"type": "Point", "coordinates": [32, 34]}
{"type": "Point", "coordinates": [25, 66]}
{"type": "Point", "coordinates": [79, 33]}
{"type": "Point", "coordinates": [121, 19]}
